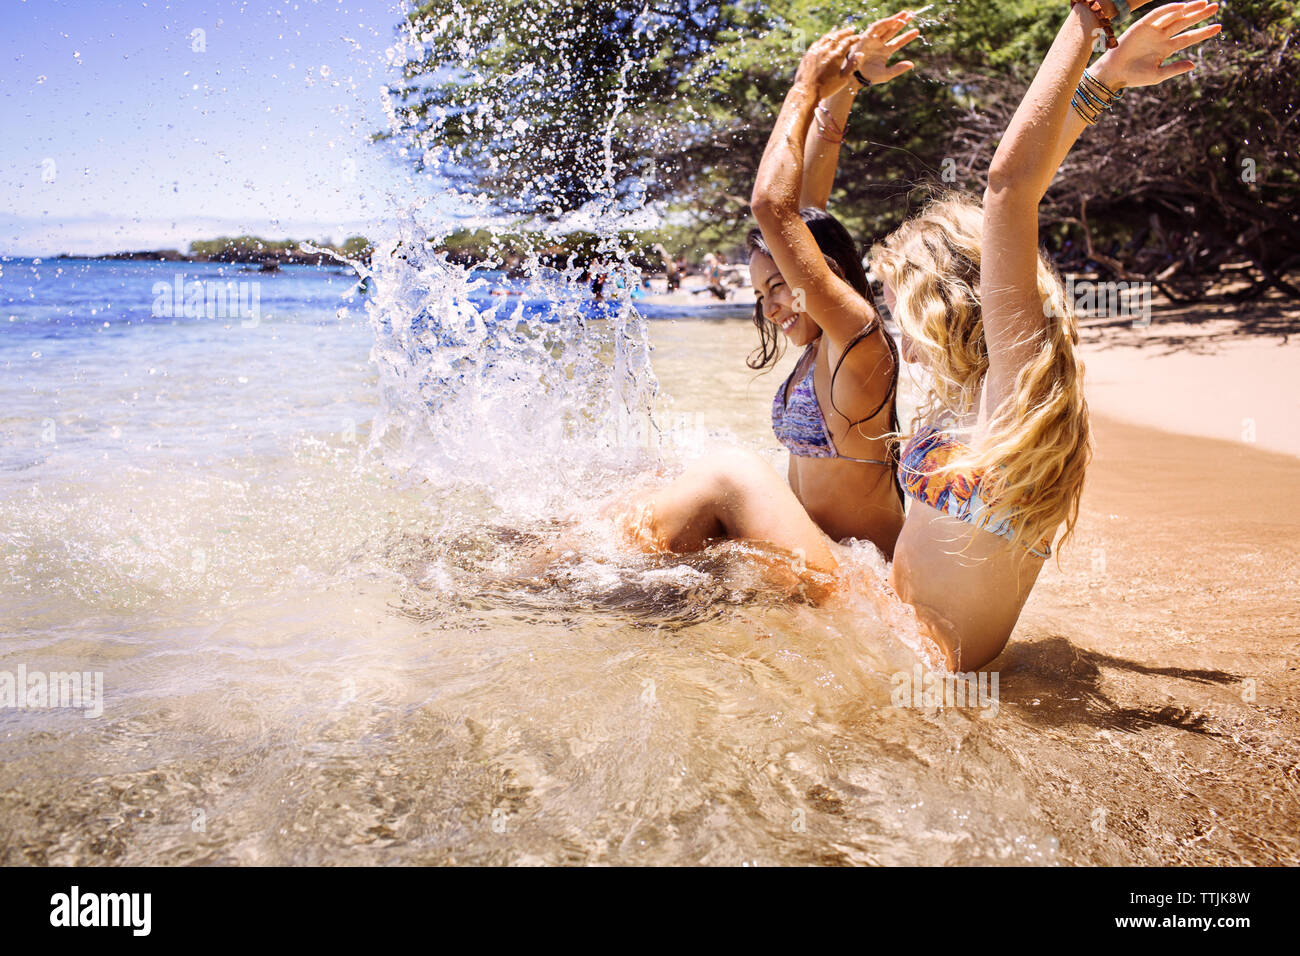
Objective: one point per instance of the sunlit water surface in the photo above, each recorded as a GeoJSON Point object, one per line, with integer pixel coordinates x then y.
{"type": "Point", "coordinates": [356, 607]}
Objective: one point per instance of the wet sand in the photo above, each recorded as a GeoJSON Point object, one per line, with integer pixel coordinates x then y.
{"type": "Point", "coordinates": [1177, 686]}
{"type": "Point", "coordinates": [1154, 677]}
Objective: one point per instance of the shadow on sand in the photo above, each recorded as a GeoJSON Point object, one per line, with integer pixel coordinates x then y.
{"type": "Point", "coordinates": [1055, 683]}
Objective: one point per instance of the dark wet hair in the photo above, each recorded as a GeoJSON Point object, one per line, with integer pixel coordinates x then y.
{"type": "Point", "coordinates": [844, 258]}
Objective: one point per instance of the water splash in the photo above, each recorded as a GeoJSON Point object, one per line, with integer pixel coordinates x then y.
{"type": "Point", "coordinates": [519, 389]}
{"type": "Point", "coordinates": [528, 394]}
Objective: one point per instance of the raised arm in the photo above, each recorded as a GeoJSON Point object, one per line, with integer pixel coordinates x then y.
{"type": "Point", "coordinates": [1041, 133]}
{"type": "Point", "coordinates": [836, 307]}
{"type": "Point", "coordinates": [834, 304]}
{"type": "Point", "coordinates": [878, 43]}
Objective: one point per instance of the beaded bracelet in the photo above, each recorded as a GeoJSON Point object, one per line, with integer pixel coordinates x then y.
{"type": "Point", "coordinates": [1102, 20]}
{"type": "Point", "coordinates": [1102, 87]}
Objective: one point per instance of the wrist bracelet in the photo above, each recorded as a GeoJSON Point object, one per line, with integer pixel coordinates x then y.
{"type": "Point", "coordinates": [1098, 86]}
{"type": "Point", "coordinates": [861, 79]}
{"type": "Point", "coordinates": [1102, 20]}
{"type": "Point", "coordinates": [1092, 98]}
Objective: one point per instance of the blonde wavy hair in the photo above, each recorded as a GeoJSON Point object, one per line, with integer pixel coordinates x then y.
{"type": "Point", "coordinates": [1033, 458]}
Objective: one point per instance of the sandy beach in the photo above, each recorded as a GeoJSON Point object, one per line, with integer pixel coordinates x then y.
{"type": "Point", "coordinates": [1155, 673]}
{"type": "Point", "coordinates": [1219, 370]}
{"type": "Point", "coordinates": [1164, 654]}
{"type": "Point", "coordinates": [326, 662]}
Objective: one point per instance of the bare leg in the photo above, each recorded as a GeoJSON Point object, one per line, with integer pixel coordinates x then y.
{"type": "Point", "coordinates": [733, 494]}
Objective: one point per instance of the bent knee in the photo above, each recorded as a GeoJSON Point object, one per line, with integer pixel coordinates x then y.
{"type": "Point", "coordinates": [736, 472]}
{"type": "Point", "coordinates": [638, 525]}
{"type": "Point", "coordinates": [736, 457]}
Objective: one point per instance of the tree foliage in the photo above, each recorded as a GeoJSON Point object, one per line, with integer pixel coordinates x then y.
{"type": "Point", "coordinates": [548, 104]}
{"type": "Point", "coordinates": [542, 103]}
{"type": "Point", "coordinates": [257, 249]}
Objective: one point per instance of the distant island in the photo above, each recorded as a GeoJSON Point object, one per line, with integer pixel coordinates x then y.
{"type": "Point", "coordinates": [269, 254]}
{"type": "Point", "coordinates": [508, 249]}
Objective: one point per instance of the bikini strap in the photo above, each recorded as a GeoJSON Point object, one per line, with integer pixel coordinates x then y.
{"type": "Point", "coordinates": [866, 330]}
{"type": "Point", "coordinates": [893, 385]}
{"type": "Point", "coordinates": [785, 386]}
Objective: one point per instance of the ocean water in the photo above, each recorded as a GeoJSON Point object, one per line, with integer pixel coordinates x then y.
{"type": "Point", "coordinates": [342, 571]}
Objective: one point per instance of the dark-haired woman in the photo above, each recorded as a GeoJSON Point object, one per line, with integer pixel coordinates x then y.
{"type": "Point", "coordinates": [836, 411]}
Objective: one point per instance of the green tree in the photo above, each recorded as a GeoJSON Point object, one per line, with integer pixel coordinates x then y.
{"type": "Point", "coordinates": [547, 105]}
{"type": "Point", "coordinates": [540, 101]}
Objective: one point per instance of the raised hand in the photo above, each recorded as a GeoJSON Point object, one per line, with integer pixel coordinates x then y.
{"type": "Point", "coordinates": [829, 63]}
{"type": "Point", "coordinates": [1139, 60]}
{"type": "Point", "coordinates": [879, 42]}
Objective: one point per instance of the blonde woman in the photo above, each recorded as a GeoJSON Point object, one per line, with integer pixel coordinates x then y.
{"type": "Point", "coordinates": [995, 464]}
{"type": "Point", "coordinates": [995, 467]}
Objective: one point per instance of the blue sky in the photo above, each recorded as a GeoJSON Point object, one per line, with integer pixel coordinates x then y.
{"type": "Point", "coordinates": [120, 134]}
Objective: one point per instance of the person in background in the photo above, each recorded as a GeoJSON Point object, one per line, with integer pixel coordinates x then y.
{"type": "Point", "coordinates": [671, 271]}
{"type": "Point", "coordinates": [713, 276]}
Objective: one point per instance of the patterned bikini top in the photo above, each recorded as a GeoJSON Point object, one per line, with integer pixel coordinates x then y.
{"type": "Point", "coordinates": [954, 493]}
{"type": "Point", "coordinates": [797, 416]}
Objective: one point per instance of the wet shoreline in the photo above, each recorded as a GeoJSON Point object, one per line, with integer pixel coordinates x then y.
{"type": "Point", "coordinates": [318, 665]}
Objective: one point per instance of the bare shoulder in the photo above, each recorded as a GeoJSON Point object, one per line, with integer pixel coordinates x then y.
{"type": "Point", "coordinates": [863, 365]}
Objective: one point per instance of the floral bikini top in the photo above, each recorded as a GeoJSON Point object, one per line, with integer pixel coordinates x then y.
{"type": "Point", "coordinates": [955, 494]}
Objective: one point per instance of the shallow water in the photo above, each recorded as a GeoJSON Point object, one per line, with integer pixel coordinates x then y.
{"type": "Point", "coordinates": [312, 655]}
